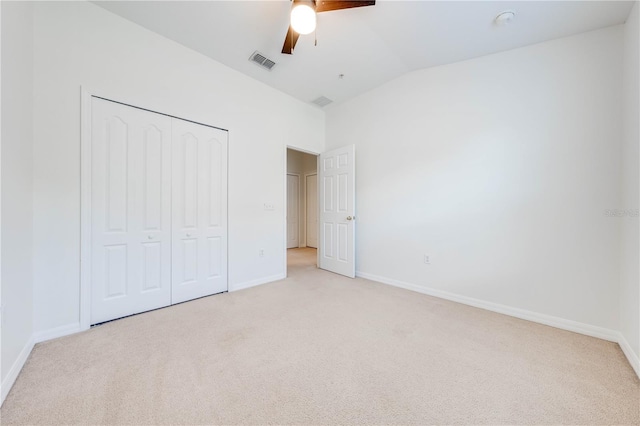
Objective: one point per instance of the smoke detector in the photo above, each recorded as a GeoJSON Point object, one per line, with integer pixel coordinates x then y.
{"type": "Point", "coordinates": [504, 18]}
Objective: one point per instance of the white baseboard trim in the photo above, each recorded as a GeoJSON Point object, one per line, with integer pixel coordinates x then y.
{"type": "Point", "coordinates": [565, 324]}
{"type": "Point", "coordinates": [633, 358]}
{"type": "Point", "coordinates": [8, 382]}
{"type": "Point", "coordinates": [557, 322]}
{"type": "Point", "coordinates": [54, 333]}
{"type": "Point", "coordinates": [259, 281]}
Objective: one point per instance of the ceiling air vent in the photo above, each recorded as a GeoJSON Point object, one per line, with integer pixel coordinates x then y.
{"type": "Point", "coordinates": [322, 101]}
{"type": "Point", "coordinates": [262, 60]}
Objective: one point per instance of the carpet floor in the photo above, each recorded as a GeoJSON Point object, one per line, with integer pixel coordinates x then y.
{"type": "Point", "coordinates": [318, 348]}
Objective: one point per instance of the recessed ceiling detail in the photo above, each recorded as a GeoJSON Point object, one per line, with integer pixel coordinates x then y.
{"type": "Point", "coordinates": [260, 59]}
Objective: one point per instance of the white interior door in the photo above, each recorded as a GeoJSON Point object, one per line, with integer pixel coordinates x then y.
{"type": "Point", "coordinates": [337, 211]}
{"type": "Point", "coordinates": [130, 210]}
{"type": "Point", "coordinates": [293, 211]}
{"type": "Point", "coordinates": [199, 210]}
{"type": "Point", "coordinates": [312, 211]}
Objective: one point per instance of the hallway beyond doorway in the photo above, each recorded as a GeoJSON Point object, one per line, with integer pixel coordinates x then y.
{"type": "Point", "coordinates": [301, 258]}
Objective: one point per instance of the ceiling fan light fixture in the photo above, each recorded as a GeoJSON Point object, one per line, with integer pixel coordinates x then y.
{"type": "Point", "coordinates": [303, 18]}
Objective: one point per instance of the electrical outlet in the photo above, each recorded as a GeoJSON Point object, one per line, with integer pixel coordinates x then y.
{"type": "Point", "coordinates": [261, 253]}
{"type": "Point", "coordinates": [427, 259]}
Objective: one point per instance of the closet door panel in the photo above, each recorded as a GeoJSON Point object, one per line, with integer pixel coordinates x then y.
{"type": "Point", "coordinates": [130, 211]}
{"type": "Point", "coordinates": [199, 211]}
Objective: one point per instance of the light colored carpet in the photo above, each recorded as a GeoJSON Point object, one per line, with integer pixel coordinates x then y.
{"type": "Point", "coordinates": [318, 348]}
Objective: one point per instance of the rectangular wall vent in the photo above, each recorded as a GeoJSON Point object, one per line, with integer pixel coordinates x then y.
{"type": "Point", "coordinates": [322, 101]}
{"type": "Point", "coordinates": [261, 60]}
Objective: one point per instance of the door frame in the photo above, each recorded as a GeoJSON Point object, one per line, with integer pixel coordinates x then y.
{"type": "Point", "coordinates": [284, 210]}
{"type": "Point", "coordinates": [86, 95]}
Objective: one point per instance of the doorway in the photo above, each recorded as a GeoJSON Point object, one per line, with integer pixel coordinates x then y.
{"type": "Point", "coordinates": [311, 200]}
{"type": "Point", "coordinates": [293, 210]}
{"type": "Point", "coordinates": [302, 208]}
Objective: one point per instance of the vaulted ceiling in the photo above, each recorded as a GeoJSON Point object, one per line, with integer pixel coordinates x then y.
{"type": "Point", "coordinates": [367, 45]}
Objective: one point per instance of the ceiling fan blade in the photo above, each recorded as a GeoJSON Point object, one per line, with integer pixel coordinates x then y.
{"type": "Point", "coordinates": [290, 41]}
{"type": "Point", "coordinates": [329, 5]}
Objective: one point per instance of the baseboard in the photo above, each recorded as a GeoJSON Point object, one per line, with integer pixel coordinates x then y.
{"type": "Point", "coordinates": [633, 358]}
{"type": "Point", "coordinates": [8, 382]}
{"type": "Point", "coordinates": [259, 281]}
{"type": "Point", "coordinates": [54, 333]}
{"type": "Point", "coordinates": [557, 322]}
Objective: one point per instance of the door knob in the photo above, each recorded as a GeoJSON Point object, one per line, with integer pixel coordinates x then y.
{"type": "Point", "coordinates": [349, 218]}
{"type": "Point", "coordinates": [188, 235]}
{"type": "Point", "coordinates": [150, 237]}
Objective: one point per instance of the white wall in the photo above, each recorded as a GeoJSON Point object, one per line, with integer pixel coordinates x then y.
{"type": "Point", "coordinates": [17, 187]}
{"type": "Point", "coordinates": [78, 43]}
{"type": "Point", "coordinates": [500, 169]}
{"type": "Point", "coordinates": [630, 280]}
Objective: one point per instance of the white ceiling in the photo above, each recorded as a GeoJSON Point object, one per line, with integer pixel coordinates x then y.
{"type": "Point", "coordinates": [369, 45]}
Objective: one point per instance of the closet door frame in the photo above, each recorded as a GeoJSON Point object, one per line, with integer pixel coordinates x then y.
{"type": "Point", "coordinates": [86, 96]}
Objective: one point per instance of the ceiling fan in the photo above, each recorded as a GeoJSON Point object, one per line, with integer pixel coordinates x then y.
{"type": "Point", "coordinates": [303, 17]}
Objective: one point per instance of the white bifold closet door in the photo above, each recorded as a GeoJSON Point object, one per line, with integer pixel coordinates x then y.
{"type": "Point", "coordinates": [158, 210]}
{"type": "Point", "coordinates": [130, 211]}
{"type": "Point", "coordinates": [199, 266]}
